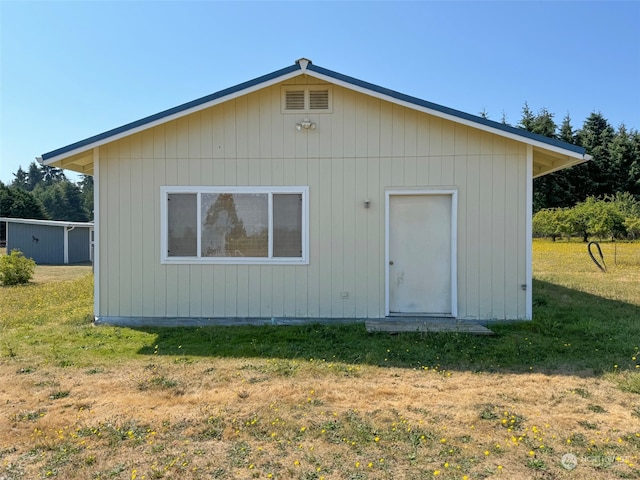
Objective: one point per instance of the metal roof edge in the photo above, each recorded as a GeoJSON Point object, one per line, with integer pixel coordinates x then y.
{"type": "Point", "coordinates": [169, 112]}
{"type": "Point", "coordinates": [52, 223]}
{"type": "Point", "coordinates": [447, 111]}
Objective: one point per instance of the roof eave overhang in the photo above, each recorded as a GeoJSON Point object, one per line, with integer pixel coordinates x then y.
{"type": "Point", "coordinates": [541, 169]}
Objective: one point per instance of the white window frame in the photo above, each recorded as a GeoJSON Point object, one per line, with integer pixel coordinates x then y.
{"type": "Point", "coordinates": [165, 259]}
{"type": "Point", "coordinates": [307, 89]}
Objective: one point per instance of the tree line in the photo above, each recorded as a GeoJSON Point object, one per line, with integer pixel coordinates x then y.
{"type": "Point", "coordinates": [599, 198]}
{"type": "Point", "coordinates": [614, 168]}
{"type": "Point", "coordinates": [616, 216]}
{"type": "Point", "coordinates": [45, 193]}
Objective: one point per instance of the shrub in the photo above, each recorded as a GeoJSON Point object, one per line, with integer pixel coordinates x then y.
{"type": "Point", "coordinates": [15, 268]}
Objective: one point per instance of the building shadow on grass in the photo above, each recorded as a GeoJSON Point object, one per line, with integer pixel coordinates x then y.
{"type": "Point", "coordinates": [572, 333]}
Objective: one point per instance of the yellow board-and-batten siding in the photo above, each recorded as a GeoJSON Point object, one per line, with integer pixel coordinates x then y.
{"type": "Point", "coordinates": [366, 145]}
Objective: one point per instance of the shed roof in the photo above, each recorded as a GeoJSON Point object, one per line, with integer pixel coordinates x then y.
{"type": "Point", "coordinates": [549, 154]}
{"type": "Point", "coordinates": [49, 223]}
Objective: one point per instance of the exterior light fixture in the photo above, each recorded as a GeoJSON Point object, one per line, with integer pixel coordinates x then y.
{"type": "Point", "coordinates": [306, 124]}
{"type": "Point", "coordinates": [367, 203]}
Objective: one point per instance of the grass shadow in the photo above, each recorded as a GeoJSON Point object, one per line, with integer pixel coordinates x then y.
{"type": "Point", "coordinates": [572, 332]}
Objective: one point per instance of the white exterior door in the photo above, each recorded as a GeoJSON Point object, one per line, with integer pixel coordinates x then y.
{"type": "Point", "coordinates": [420, 270]}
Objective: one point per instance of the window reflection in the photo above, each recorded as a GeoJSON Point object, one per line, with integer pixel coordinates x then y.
{"type": "Point", "coordinates": [235, 225]}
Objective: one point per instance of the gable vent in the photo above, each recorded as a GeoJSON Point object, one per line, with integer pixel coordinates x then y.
{"type": "Point", "coordinates": [318, 99]}
{"type": "Point", "coordinates": [305, 98]}
{"type": "Point", "coordinates": [294, 100]}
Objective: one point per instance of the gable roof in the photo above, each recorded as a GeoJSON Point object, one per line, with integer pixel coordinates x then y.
{"type": "Point", "coordinates": [549, 154]}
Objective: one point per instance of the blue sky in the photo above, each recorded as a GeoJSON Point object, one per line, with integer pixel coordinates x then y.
{"type": "Point", "coordinates": [70, 70]}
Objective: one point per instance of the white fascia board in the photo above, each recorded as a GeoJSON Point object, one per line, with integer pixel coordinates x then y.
{"type": "Point", "coordinates": [169, 118]}
{"type": "Point", "coordinates": [51, 223]}
{"type": "Point", "coordinates": [445, 116]}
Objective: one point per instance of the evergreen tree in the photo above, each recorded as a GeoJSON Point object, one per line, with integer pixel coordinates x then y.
{"type": "Point", "coordinates": [634, 168]}
{"type": "Point", "coordinates": [21, 179]}
{"type": "Point", "coordinates": [596, 137]}
{"type": "Point", "coordinates": [18, 203]}
{"type": "Point", "coordinates": [566, 132]}
{"type": "Point", "coordinates": [75, 200]}
{"type": "Point", "coordinates": [51, 175]}
{"type": "Point", "coordinates": [544, 124]}
{"type": "Point", "coordinates": [86, 186]}
{"type": "Point", "coordinates": [624, 162]}
{"type": "Point", "coordinates": [528, 118]}
{"type": "Point", "coordinates": [62, 201]}
{"type": "Point", "coordinates": [34, 176]}
{"type": "Point", "coordinates": [541, 123]}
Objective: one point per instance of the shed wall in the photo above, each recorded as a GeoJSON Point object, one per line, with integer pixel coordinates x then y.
{"type": "Point", "coordinates": [79, 246]}
{"type": "Point", "coordinates": [364, 147]}
{"type": "Point", "coordinates": [43, 243]}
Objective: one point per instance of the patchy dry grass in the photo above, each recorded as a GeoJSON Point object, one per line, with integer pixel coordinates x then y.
{"type": "Point", "coordinates": [82, 402]}
{"type": "Point", "coordinates": [59, 273]}
{"type": "Point", "coordinates": [233, 418]}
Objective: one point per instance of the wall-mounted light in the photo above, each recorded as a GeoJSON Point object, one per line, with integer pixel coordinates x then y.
{"type": "Point", "coordinates": [306, 124]}
{"type": "Point", "coordinates": [367, 203]}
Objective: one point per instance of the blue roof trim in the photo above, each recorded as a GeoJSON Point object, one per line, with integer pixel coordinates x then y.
{"type": "Point", "coordinates": [329, 73]}
{"type": "Point", "coordinates": [447, 110]}
{"type": "Point", "coordinates": [172, 111]}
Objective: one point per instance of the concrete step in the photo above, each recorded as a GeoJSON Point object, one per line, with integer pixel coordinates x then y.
{"type": "Point", "coordinates": [426, 325]}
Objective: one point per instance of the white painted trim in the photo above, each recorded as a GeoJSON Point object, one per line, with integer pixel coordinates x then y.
{"type": "Point", "coordinates": [199, 260]}
{"type": "Point", "coordinates": [454, 239]}
{"type": "Point", "coordinates": [96, 232]}
{"type": "Point", "coordinates": [175, 116]}
{"type": "Point", "coordinates": [563, 166]}
{"type": "Point", "coordinates": [304, 63]}
{"type": "Point", "coordinates": [50, 223]}
{"type": "Point", "coordinates": [66, 244]}
{"type": "Point", "coordinates": [529, 235]}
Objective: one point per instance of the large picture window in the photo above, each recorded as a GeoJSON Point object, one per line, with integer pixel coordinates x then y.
{"type": "Point", "coordinates": [234, 224]}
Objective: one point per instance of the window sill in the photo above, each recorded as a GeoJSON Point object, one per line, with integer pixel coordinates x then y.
{"type": "Point", "coordinates": [233, 261]}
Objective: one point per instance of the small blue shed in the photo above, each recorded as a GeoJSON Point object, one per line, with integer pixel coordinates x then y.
{"type": "Point", "coordinates": [50, 242]}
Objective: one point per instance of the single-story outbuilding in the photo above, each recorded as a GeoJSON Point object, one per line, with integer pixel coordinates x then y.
{"type": "Point", "coordinates": [306, 193]}
{"type": "Point", "coordinates": [50, 242]}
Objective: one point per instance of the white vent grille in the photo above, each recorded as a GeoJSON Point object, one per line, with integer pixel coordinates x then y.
{"type": "Point", "coordinates": [318, 99]}
{"type": "Point", "coordinates": [294, 100]}
{"type": "Point", "coordinates": [305, 98]}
